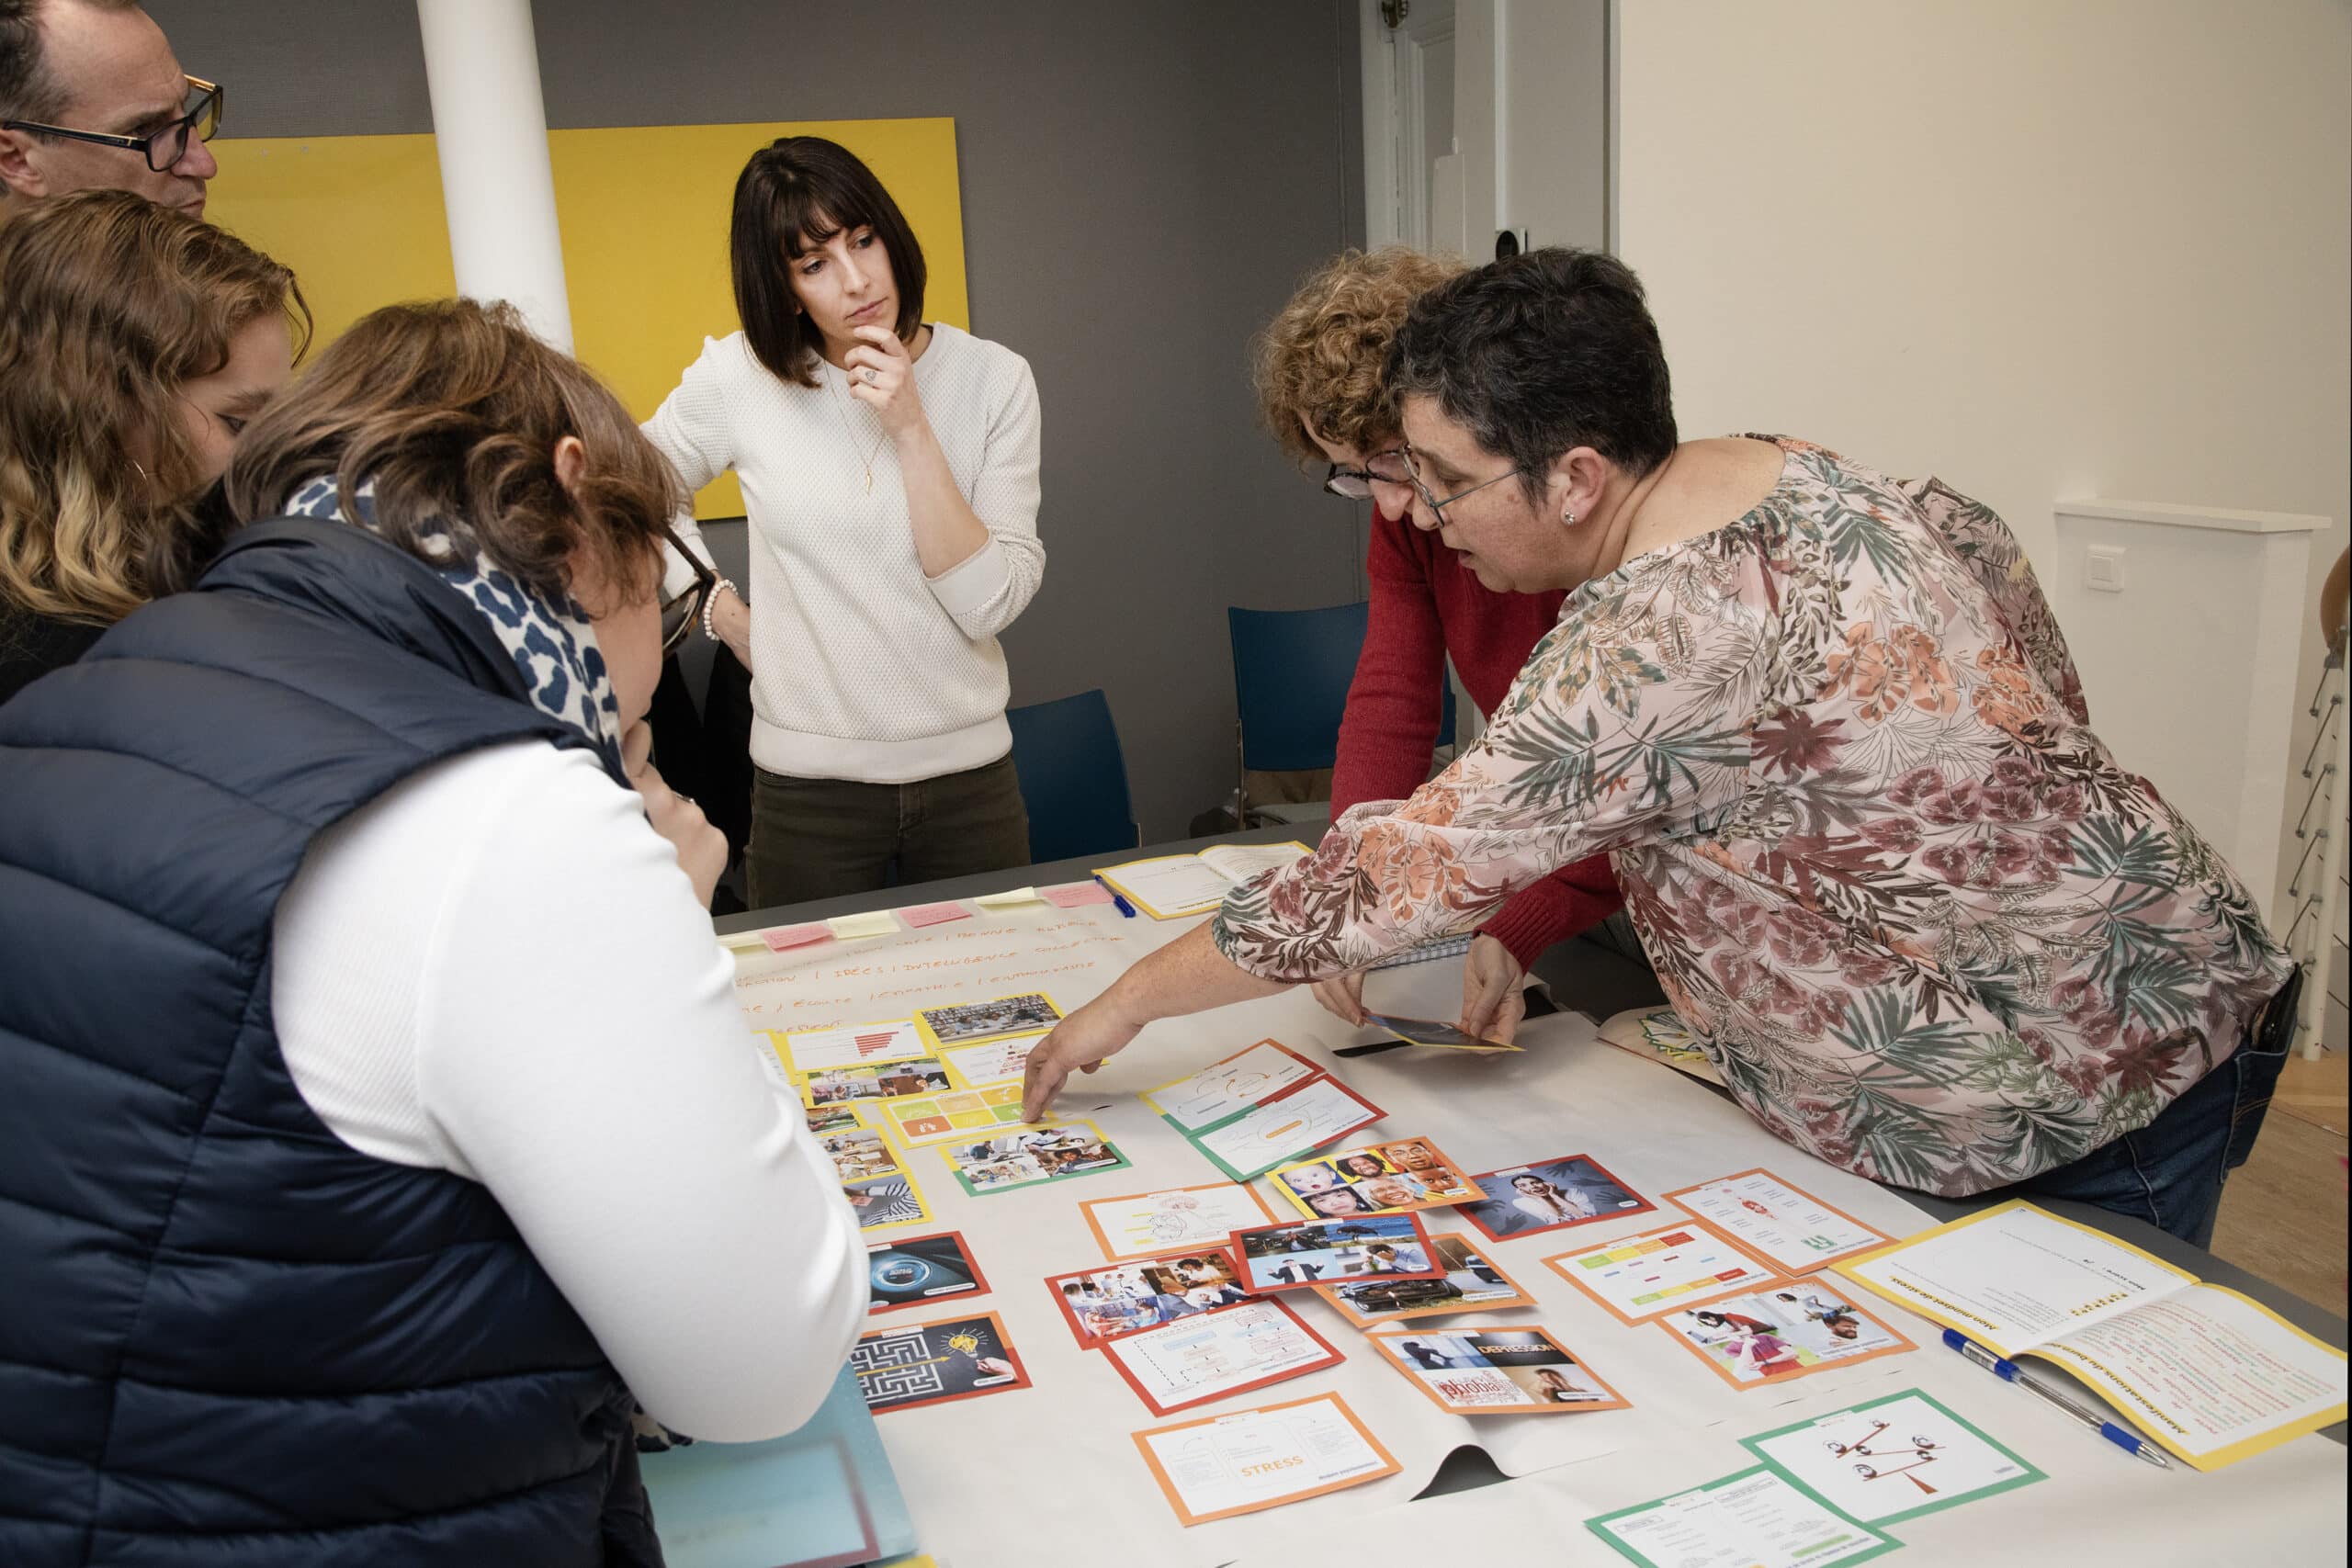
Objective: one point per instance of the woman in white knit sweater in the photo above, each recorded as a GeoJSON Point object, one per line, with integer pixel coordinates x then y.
{"type": "Point", "coordinates": [890, 471]}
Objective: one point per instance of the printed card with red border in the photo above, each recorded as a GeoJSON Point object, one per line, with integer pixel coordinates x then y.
{"type": "Point", "coordinates": [1249, 1460]}
{"type": "Point", "coordinates": [1495, 1370]}
{"type": "Point", "coordinates": [1549, 1195]}
{"type": "Point", "coordinates": [1216, 1355]}
{"type": "Point", "coordinates": [931, 1363]}
{"type": "Point", "coordinates": [1785, 1225]}
{"type": "Point", "coordinates": [1780, 1331]}
{"type": "Point", "coordinates": [1304, 1253]}
{"type": "Point", "coordinates": [1635, 1278]}
{"type": "Point", "coordinates": [921, 1271]}
{"type": "Point", "coordinates": [1112, 1301]}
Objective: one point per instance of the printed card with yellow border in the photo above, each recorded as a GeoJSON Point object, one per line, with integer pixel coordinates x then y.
{"type": "Point", "coordinates": [958, 1115]}
{"type": "Point", "coordinates": [967, 1023]}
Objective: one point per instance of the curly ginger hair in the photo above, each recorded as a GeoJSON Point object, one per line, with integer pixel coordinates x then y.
{"type": "Point", "coordinates": [1320, 360]}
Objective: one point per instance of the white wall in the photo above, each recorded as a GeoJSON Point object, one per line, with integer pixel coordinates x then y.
{"type": "Point", "coordinates": [1550, 124]}
{"type": "Point", "coordinates": [2046, 249]}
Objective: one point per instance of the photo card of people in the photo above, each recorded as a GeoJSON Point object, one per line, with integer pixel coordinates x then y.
{"type": "Point", "coordinates": [1780, 1332]}
{"type": "Point", "coordinates": [1031, 1157]}
{"type": "Point", "coordinates": [1378, 1179]}
{"type": "Point", "coordinates": [1549, 1195]}
{"type": "Point", "coordinates": [1635, 1278]}
{"type": "Point", "coordinates": [1891, 1458]}
{"type": "Point", "coordinates": [1472, 1282]}
{"type": "Point", "coordinates": [967, 1024]}
{"type": "Point", "coordinates": [1115, 1299]}
{"type": "Point", "coordinates": [1495, 1371]}
{"type": "Point", "coordinates": [1141, 1225]}
{"type": "Point", "coordinates": [807, 1050]}
{"type": "Point", "coordinates": [1218, 1466]}
{"type": "Point", "coordinates": [931, 1363]}
{"type": "Point", "coordinates": [1216, 1355]}
{"type": "Point", "coordinates": [872, 1082]}
{"type": "Point", "coordinates": [919, 1270]}
{"type": "Point", "coordinates": [1786, 1226]}
{"type": "Point", "coordinates": [1309, 1252]}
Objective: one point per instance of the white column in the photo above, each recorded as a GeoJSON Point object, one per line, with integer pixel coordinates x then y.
{"type": "Point", "coordinates": [489, 126]}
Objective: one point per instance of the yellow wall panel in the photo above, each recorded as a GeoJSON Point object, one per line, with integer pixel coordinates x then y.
{"type": "Point", "coordinates": [643, 212]}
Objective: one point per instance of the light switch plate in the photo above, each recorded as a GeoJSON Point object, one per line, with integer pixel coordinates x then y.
{"type": "Point", "coordinates": [2103, 569]}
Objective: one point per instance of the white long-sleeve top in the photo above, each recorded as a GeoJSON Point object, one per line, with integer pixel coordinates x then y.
{"type": "Point", "coordinates": [862, 667]}
{"type": "Point", "coordinates": [498, 969]}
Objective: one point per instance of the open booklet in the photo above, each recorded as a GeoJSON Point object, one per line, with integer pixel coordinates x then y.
{"type": "Point", "coordinates": [1167, 888]}
{"type": "Point", "coordinates": [2209, 1374]}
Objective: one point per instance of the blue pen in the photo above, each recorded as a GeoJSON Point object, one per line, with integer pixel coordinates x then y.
{"type": "Point", "coordinates": [1126, 909]}
{"type": "Point", "coordinates": [2122, 1437]}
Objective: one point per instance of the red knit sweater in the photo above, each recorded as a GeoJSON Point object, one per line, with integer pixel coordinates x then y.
{"type": "Point", "coordinates": [1424, 607]}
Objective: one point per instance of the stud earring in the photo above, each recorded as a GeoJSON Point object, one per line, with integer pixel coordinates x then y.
{"type": "Point", "coordinates": [1569, 519]}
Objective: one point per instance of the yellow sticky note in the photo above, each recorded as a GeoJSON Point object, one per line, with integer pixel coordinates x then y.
{"type": "Point", "coordinates": [881, 923]}
{"type": "Point", "coordinates": [1006, 900]}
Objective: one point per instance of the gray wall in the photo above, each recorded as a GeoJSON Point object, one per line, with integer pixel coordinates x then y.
{"type": "Point", "coordinates": [1142, 186]}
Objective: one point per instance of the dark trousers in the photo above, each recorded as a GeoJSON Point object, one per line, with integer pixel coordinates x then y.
{"type": "Point", "coordinates": [829, 837]}
{"type": "Point", "coordinates": [2170, 1172]}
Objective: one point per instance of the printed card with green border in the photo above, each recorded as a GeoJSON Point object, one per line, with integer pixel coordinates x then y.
{"type": "Point", "coordinates": [1753, 1516]}
{"type": "Point", "coordinates": [1891, 1458]}
{"type": "Point", "coordinates": [1031, 1157]}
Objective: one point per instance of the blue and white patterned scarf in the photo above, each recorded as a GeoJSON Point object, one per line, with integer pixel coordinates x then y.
{"type": "Point", "coordinates": [553, 646]}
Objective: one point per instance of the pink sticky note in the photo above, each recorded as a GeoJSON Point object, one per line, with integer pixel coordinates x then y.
{"type": "Point", "coordinates": [934, 914]}
{"type": "Point", "coordinates": [1077, 894]}
{"type": "Point", "coordinates": [785, 937]}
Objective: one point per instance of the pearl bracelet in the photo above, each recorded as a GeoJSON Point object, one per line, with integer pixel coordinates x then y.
{"type": "Point", "coordinates": [710, 603]}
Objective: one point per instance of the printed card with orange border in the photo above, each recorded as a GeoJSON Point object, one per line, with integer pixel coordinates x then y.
{"type": "Point", "coordinates": [1635, 1278]}
{"type": "Point", "coordinates": [1786, 1226]}
{"type": "Point", "coordinates": [1548, 1195]}
{"type": "Point", "coordinates": [1216, 1355]}
{"type": "Point", "coordinates": [1472, 1282]}
{"type": "Point", "coordinates": [1218, 1466]}
{"type": "Point", "coordinates": [1112, 1301]}
{"type": "Point", "coordinates": [920, 1270]}
{"type": "Point", "coordinates": [931, 1363]}
{"type": "Point", "coordinates": [1144, 1224]}
{"type": "Point", "coordinates": [1495, 1369]}
{"type": "Point", "coordinates": [1328, 1252]}
{"type": "Point", "coordinates": [1780, 1331]}
{"type": "Point", "coordinates": [1389, 1178]}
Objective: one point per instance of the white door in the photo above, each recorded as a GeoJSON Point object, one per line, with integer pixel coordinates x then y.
{"type": "Point", "coordinates": [1485, 116]}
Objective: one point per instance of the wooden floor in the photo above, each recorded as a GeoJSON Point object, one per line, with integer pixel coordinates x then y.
{"type": "Point", "coordinates": [2283, 1212]}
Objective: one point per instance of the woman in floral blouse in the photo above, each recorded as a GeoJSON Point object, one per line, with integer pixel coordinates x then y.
{"type": "Point", "coordinates": [1824, 723]}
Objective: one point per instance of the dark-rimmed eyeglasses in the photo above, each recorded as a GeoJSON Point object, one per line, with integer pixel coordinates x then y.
{"type": "Point", "coordinates": [1437, 508]}
{"type": "Point", "coordinates": [1355, 484]}
{"type": "Point", "coordinates": [199, 117]}
{"type": "Point", "coordinates": [681, 615]}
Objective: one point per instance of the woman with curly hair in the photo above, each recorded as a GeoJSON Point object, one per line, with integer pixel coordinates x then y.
{"type": "Point", "coordinates": [1318, 372]}
{"type": "Point", "coordinates": [1824, 724]}
{"type": "Point", "coordinates": [135, 343]}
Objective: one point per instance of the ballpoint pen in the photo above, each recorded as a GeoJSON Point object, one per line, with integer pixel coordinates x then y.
{"type": "Point", "coordinates": [2115, 1432]}
{"type": "Point", "coordinates": [1126, 910]}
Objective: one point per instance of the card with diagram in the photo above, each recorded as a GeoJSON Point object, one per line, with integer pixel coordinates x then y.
{"type": "Point", "coordinates": [1891, 1458]}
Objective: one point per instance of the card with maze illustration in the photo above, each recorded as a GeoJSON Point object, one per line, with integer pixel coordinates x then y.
{"type": "Point", "coordinates": [931, 1363]}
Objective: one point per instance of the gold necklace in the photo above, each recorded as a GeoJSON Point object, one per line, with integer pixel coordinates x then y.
{"type": "Point", "coordinates": [866, 462]}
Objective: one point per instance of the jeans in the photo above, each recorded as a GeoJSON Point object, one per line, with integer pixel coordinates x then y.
{"type": "Point", "coordinates": [2170, 1172]}
{"type": "Point", "coordinates": [829, 838]}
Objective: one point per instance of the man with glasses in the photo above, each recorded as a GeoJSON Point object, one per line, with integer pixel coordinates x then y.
{"type": "Point", "coordinates": [92, 97]}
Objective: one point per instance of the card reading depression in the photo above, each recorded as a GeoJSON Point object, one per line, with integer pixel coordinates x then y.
{"type": "Point", "coordinates": [1495, 1371]}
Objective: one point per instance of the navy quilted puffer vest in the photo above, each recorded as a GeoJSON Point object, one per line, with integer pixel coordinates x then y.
{"type": "Point", "coordinates": [226, 1338]}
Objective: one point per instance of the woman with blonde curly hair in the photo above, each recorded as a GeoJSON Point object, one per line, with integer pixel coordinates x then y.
{"type": "Point", "coordinates": [135, 342]}
{"type": "Point", "coordinates": [1319, 373]}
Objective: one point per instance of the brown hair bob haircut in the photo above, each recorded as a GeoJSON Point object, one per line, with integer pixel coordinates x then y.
{"type": "Point", "coordinates": [454, 409]}
{"type": "Point", "coordinates": [108, 305]}
{"type": "Point", "coordinates": [798, 192]}
{"type": "Point", "coordinates": [1323, 356]}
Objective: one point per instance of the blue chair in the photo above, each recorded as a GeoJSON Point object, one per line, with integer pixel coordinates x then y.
{"type": "Point", "coordinates": [1073, 778]}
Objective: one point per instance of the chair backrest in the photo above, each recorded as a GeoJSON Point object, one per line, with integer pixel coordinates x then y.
{"type": "Point", "coordinates": [1291, 671]}
{"type": "Point", "coordinates": [1073, 778]}
{"type": "Point", "coordinates": [729, 542]}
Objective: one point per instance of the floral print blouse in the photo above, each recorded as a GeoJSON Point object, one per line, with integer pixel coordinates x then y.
{"type": "Point", "coordinates": [1923, 923]}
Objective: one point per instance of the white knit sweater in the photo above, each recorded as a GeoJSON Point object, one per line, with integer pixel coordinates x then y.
{"type": "Point", "coordinates": [863, 668]}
